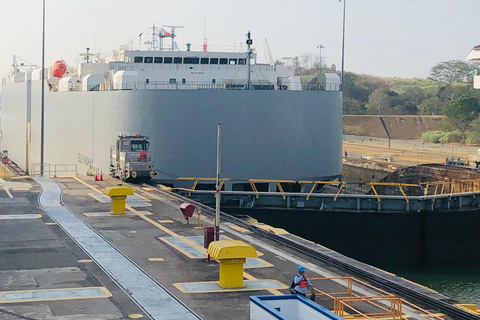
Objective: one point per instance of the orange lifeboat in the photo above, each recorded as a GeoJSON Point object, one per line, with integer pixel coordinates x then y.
{"type": "Point", "coordinates": [58, 69]}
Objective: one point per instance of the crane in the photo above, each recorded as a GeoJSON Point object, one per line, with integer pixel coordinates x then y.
{"type": "Point", "coordinates": [268, 54]}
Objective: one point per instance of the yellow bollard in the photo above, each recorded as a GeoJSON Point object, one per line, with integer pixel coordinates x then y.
{"type": "Point", "coordinates": [118, 195]}
{"type": "Point", "coordinates": [231, 254]}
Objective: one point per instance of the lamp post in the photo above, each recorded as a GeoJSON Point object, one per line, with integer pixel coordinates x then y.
{"type": "Point", "coordinates": [42, 125]}
{"type": "Point", "coordinates": [343, 41]}
{"type": "Point", "coordinates": [320, 47]}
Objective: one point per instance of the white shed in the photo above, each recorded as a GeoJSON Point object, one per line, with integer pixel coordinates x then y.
{"type": "Point", "coordinates": [125, 80]}
{"type": "Point", "coordinates": [92, 82]}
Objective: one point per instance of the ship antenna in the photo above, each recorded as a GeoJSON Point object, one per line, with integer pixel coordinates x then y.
{"type": "Point", "coordinates": [249, 56]}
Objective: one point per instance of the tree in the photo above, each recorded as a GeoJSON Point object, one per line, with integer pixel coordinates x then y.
{"type": "Point", "coordinates": [380, 100]}
{"type": "Point", "coordinates": [448, 92]}
{"type": "Point", "coordinates": [452, 71]}
{"type": "Point", "coordinates": [306, 59]}
{"type": "Point", "coordinates": [352, 106]}
{"type": "Point", "coordinates": [431, 105]}
{"type": "Point", "coordinates": [461, 112]}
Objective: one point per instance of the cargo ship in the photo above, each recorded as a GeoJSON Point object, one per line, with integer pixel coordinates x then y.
{"type": "Point", "coordinates": [272, 126]}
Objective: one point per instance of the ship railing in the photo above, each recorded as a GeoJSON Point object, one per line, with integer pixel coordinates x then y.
{"type": "Point", "coordinates": [53, 170]}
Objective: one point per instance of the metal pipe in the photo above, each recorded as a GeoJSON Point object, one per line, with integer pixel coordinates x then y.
{"type": "Point", "coordinates": [42, 125]}
{"type": "Point", "coordinates": [218, 187]}
{"type": "Point", "coordinates": [343, 41]}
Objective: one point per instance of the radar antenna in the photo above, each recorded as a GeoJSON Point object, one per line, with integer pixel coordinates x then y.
{"type": "Point", "coordinates": [165, 34]}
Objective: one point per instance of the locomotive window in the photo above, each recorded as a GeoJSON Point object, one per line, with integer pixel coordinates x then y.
{"type": "Point", "coordinates": [138, 59]}
{"type": "Point", "coordinates": [139, 146]}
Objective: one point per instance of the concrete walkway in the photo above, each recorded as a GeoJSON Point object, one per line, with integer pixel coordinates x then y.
{"type": "Point", "coordinates": [151, 296]}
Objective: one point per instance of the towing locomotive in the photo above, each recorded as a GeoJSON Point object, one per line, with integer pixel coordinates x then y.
{"type": "Point", "coordinates": [131, 158]}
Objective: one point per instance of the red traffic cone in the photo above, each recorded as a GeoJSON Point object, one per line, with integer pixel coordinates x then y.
{"type": "Point", "coordinates": [101, 176]}
{"type": "Point", "coordinates": [96, 177]}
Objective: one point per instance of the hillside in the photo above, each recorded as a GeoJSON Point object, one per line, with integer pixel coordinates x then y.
{"type": "Point", "coordinates": [399, 126]}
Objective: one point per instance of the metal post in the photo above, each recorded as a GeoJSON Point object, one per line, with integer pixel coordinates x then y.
{"type": "Point", "coordinates": [343, 41]}
{"type": "Point", "coordinates": [320, 61]}
{"type": "Point", "coordinates": [217, 202]}
{"type": "Point", "coordinates": [417, 154]}
{"type": "Point", "coordinates": [42, 125]}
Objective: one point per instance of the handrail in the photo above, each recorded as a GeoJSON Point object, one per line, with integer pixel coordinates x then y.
{"type": "Point", "coordinates": [196, 180]}
{"type": "Point", "coordinates": [57, 168]}
{"type": "Point", "coordinates": [278, 182]}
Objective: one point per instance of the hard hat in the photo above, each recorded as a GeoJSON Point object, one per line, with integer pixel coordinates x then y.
{"type": "Point", "coordinates": [301, 269]}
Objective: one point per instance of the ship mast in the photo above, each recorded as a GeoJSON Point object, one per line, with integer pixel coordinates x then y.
{"type": "Point", "coordinates": [249, 57]}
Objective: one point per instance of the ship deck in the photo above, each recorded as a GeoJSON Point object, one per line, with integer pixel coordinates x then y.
{"type": "Point", "coordinates": [65, 257]}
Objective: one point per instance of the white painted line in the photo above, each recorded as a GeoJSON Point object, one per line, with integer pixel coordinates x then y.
{"type": "Point", "coordinates": [20, 216]}
{"type": "Point", "coordinates": [7, 191]}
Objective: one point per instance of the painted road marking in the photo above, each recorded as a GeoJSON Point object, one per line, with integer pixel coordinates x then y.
{"type": "Point", "coordinates": [50, 223]}
{"type": "Point", "coordinates": [165, 221]}
{"type": "Point", "coordinates": [85, 261]}
{"type": "Point", "coordinates": [20, 216]}
{"type": "Point", "coordinates": [108, 214]}
{"type": "Point", "coordinates": [156, 259]}
{"type": "Point", "coordinates": [213, 286]}
{"type": "Point", "coordinates": [54, 294]}
{"type": "Point", "coordinates": [7, 191]}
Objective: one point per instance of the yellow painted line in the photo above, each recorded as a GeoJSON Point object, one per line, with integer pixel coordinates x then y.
{"type": "Point", "coordinates": [165, 221]}
{"type": "Point", "coordinates": [85, 261]}
{"type": "Point", "coordinates": [272, 229]}
{"type": "Point", "coordinates": [7, 191]}
{"type": "Point", "coordinates": [139, 195]}
{"type": "Point", "coordinates": [50, 223]}
{"type": "Point", "coordinates": [156, 259]}
{"type": "Point", "coordinates": [240, 229]}
{"type": "Point", "coordinates": [133, 231]}
{"type": "Point", "coordinates": [86, 184]}
{"type": "Point", "coordinates": [147, 188]}
{"type": "Point", "coordinates": [106, 294]}
{"type": "Point", "coordinates": [21, 189]}
{"type": "Point", "coordinates": [135, 316]}
{"type": "Point", "coordinates": [96, 198]}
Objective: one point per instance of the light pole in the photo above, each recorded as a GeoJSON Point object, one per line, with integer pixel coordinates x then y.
{"type": "Point", "coordinates": [343, 41]}
{"type": "Point", "coordinates": [42, 125]}
{"type": "Point", "coordinates": [320, 47]}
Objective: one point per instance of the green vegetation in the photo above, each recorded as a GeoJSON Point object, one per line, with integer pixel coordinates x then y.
{"type": "Point", "coordinates": [447, 91]}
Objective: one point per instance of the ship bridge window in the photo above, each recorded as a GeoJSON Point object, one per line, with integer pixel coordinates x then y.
{"type": "Point", "coordinates": [173, 81]}
{"type": "Point", "coordinates": [139, 145]}
{"type": "Point", "coordinates": [204, 61]}
{"type": "Point", "coordinates": [191, 60]}
{"type": "Point", "coordinates": [213, 60]}
{"type": "Point", "coordinates": [148, 60]}
{"type": "Point", "coordinates": [158, 60]}
{"type": "Point", "coordinates": [242, 61]}
{"type": "Point", "coordinates": [167, 60]}
{"type": "Point", "coordinates": [223, 61]}
{"type": "Point", "coordinates": [177, 60]}
{"type": "Point", "coordinates": [138, 60]}
{"type": "Point", "coordinates": [230, 61]}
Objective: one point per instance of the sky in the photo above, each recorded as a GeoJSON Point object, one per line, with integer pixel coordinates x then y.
{"type": "Point", "coordinates": [388, 38]}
